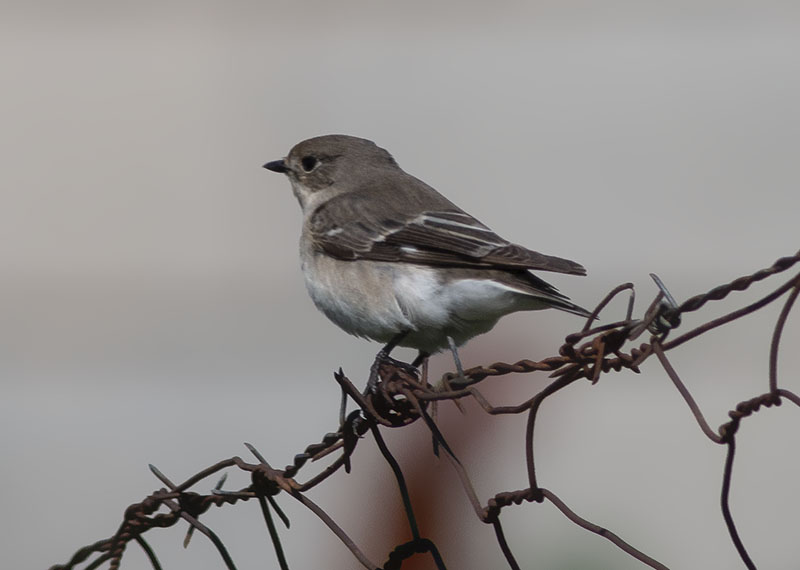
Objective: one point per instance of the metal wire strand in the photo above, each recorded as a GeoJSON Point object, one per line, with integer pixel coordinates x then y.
{"type": "Point", "coordinates": [396, 398]}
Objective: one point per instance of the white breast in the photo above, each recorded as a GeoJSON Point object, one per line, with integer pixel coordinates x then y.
{"type": "Point", "coordinates": [379, 300]}
{"type": "Point", "coordinates": [460, 309]}
{"type": "Point", "coordinates": [358, 296]}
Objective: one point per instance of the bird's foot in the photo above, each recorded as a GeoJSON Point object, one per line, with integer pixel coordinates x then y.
{"type": "Point", "coordinates": [382, 361]}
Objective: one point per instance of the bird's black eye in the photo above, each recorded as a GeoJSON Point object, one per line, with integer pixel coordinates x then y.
{"type": "Point", "coordinates": [308, 162]}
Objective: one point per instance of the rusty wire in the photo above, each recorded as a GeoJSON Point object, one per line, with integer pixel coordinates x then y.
{"type": "Point", "coordinates": [401, 398]}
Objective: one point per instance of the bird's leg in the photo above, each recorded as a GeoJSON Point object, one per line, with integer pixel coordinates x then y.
{"type": "Point", "coordinates": [421, 357]}
{"type": "Point", "coordinates": [445, 384]}
{"type": "Point", "coordinates": [459, 368]}
{"type": "Point", "coordinates": [383, 356]}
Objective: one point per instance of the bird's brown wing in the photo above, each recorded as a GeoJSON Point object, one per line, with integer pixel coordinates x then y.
{"type": "Point", "coordinates": [413, 234]}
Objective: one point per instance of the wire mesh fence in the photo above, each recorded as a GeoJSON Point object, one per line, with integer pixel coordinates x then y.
{"type": "Point", "coordinates": [401, 397]}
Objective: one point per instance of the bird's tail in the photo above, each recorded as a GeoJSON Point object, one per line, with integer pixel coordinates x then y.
{"type": "Point", "coordinates": [569, 307]}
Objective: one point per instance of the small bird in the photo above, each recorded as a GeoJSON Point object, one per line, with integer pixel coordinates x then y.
{"type": "Point", "coordinates": [388, 258]}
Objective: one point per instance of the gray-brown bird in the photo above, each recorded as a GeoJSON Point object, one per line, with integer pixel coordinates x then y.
{"type": "Point", "coordinates": [387, 257]}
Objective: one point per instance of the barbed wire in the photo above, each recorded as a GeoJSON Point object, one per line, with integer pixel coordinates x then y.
{"type": "Point", "coordinates": [401, 398]}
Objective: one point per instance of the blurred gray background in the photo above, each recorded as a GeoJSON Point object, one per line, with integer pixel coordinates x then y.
{"type": "Point", "coordinates": [152, 308]}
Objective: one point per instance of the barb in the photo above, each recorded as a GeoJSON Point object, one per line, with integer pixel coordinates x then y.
{"type": "Point", "coordinates": [183, 508]}
{"type": "Point", "coordinates": [190, 532]}
{"type": "Point", "coordinates": [397, 398]}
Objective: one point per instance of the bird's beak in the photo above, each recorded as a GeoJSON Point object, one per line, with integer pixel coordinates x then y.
{"type": "Point", "coordinates": [277, 166]}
